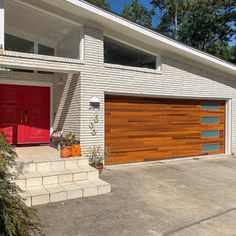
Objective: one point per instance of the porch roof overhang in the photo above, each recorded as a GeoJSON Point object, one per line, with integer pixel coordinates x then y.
{"type": "Point", "coordinates": [17, 60]}
{"type": "Point", "coordinates": [112, 21]}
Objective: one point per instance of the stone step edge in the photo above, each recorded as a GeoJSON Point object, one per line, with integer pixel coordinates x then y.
{"type": "Point", "coordinates": [59, 159]}
{"type": "Point", "coordinates": [48, 165]}
{"type": "Point", "coordinates": [70, 175]}
{"type": "Point", "coordinates": [93, 188]}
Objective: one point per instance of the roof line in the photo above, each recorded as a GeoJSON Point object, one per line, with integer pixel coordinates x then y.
{"type": "Point", "coordinates": [175, 46]}
{"type": "Point", "coordinates": [153, 31]}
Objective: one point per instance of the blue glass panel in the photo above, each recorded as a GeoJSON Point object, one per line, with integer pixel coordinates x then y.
{"type": "Point", "coordinates": [210, 147]}
{"type": "Point", "coordinates": [210, 120]}
{"type": "Point", "coordinates": [211, 134]}
{"type": "Point", "coordinates": [210, 107]}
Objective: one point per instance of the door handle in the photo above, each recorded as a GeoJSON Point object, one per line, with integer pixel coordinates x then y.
{"type": "Point", "coordinates": [26, 116]}
{"type": "Point", "coordinates": [21, 118]}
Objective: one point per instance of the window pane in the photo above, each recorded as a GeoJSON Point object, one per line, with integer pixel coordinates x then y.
{"type": "Point", "coordinates": [210, 134]}
{"type": "Point", "coordinates": [210, 107]}
{"type": "Point", "coordinates": [210, 120]}
{"type": "Point", "coordinates": [69, 44]}
{"type": "Point", "coordinates": [121, 54]}
{"type": "Point", "coordinates": [44, 50]}
{"type": "Point", "coordinates": [47, 30]}
{"type": "Point", "coordinates": [13, 43]}
{"type": "Point", "coordinates": [210, 147]}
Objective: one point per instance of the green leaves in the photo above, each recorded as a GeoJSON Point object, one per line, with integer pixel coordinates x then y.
{"type": "Point", "coordinates": [100, 3]}
{"type": "Point", "coordinates": [16, 219]}
{"type": "Point", "coordinates": [206, 25]}
{"type": "Point", "coordinates": [136, 12]}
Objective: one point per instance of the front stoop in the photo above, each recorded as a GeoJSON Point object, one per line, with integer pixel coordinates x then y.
{"type": "Point", "coordinates": [58, 180]}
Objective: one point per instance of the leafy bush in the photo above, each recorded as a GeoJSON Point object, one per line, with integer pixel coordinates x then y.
{"type": "Point", "coordinates": [16, 219]}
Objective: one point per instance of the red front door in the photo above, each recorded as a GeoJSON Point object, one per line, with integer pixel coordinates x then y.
{"type": "Point", "coordinates": [25, 114]}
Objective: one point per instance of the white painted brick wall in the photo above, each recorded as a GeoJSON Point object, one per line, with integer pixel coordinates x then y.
{"type": "Point", "coordinates": [178, 78]}
{"type": "Point", "coordinates": [94, 78]}
{"type": "Point", "coordinates": [66, 103]}
{"type": "Point", "coordinates": [25, 76]}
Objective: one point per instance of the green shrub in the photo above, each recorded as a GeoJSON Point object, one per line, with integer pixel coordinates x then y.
{"type": "Point", "coordinates": [16, 219]}
{"type": "Point", "coordinates": [97, 155]}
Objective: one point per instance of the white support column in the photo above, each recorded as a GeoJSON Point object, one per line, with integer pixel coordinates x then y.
{"type": "Point", "coordinates": [2, 23]}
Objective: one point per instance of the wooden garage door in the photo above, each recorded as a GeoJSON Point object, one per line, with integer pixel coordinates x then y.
{"type": "Point", "coordinates": [145, 129]}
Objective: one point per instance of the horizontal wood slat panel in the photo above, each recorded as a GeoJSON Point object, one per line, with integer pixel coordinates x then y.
{"type": "Point", "coordinates": [143, 129]}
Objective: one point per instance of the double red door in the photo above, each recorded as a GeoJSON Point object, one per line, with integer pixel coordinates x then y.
{"type": "Point", "coordinates": [25, 114]}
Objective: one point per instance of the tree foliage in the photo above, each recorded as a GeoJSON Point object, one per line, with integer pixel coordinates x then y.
{"type": "Point", "coordinates": [100, 3]}
{"type": "Point", "coordinates": [16, 219]}
{"type": "Point", "coordinates": [204, 24]}
{"type": "Point", "coordinates": [138, 13]}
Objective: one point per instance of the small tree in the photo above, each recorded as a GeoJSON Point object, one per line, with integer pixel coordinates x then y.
{"type": "Point", "coordinates": [16, 219]}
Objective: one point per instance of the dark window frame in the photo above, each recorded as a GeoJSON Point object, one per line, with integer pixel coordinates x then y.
{"type": "Point", "coordinates": [119, 53]}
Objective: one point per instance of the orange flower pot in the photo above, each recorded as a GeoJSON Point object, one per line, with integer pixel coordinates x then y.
{"type": "Point", "coordinates": [65, 153]}
{"type": "Point", "coordinates": [75, 150]}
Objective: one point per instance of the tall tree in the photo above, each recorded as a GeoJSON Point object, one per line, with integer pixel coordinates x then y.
{"type": "Point", "coordinates": [100, 3]}
{"type": "Point", "coordinates": [206, 25]}
{"type": "Point", "coordinates": [138, 13]}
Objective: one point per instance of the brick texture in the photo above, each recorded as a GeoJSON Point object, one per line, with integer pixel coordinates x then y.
{"type": "Point", "coordinates": [71, 108]}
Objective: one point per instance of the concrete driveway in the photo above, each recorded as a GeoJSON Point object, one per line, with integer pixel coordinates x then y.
{"type": "Point", "coordinates": [191, 197]}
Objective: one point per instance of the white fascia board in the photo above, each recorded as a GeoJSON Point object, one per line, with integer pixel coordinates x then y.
{"type": "Point", "coordinates": [2, 23]}
{"type": "Point", "coordinates": [173, 45]}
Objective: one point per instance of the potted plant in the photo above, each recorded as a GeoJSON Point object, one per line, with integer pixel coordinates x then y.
{"type": "Point", "coordinates": [70, 146]}
{"type": "Point", "coordinates": [69, 140]}
{"type": "Point", "coordinates": [96, 156]}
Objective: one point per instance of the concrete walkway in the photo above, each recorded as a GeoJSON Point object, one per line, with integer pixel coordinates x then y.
{"type": "Point", "coordinates": [192, 197]}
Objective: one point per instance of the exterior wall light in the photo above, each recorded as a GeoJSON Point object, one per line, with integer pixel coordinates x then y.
{"type": "Point", "coordinates": [94, 102]}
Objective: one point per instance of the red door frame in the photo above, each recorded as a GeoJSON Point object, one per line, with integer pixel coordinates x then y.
{"type": "Point", "coordinates": [25, 113]}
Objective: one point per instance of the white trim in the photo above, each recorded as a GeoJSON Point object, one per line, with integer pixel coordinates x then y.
{"type": "Point", "coordinates": [104, 123]}
{"type": "Point", "coordinates": [161, 40]}
{"type": "Point", "coordinates": [35, 83]}
{"type": "Point", "coordinates": [47, 12]}
{"type": "Point", "coordinates": [132, 68]}
{"type": "Point", "coordinates": [42, 57]}
{"type": "Point", "coordinates": [170, 96]}
{"type": "Point", "coordinates": [25, 82]}
{"type": "Point", "coordinates": [228, 126]}
{"type": "Point", "coordinates": [82, 52]}
{"type": "Point", "coordinates": [2, 23]}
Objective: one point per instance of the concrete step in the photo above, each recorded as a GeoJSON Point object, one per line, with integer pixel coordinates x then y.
{"type": "Point", "coordinates": [47, 165]}
{"type": "Point", "coordinates": [45, 181]}
{"type": "Point", "coordinates": [64, 191]}
{"type": "Point", "coordinates": [56, 176]}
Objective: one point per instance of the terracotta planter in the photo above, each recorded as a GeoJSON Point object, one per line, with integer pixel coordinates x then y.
{"type": "Point", "coordinates": [99, 167]}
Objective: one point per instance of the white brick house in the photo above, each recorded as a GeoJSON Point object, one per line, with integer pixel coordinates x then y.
{"type": "Point", "coordinates": [59, 44]}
